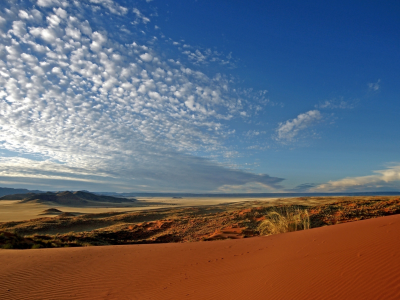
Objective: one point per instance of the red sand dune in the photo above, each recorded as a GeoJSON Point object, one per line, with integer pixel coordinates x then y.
{"type": "Point", "coordinates": [359, 260]}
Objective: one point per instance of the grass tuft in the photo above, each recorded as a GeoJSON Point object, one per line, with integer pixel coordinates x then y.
{"type": "Point", "coordinates": [284, 219]}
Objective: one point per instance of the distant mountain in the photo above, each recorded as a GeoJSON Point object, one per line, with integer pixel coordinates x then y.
{"type": "Point", "coordinates": [17, 196]}
{"type": "Point", "coordinates": [245, 195]}
{"type": "Point", "coordinates": [66, 198]}
{"type": "Point", "coordinates": [11, 191]}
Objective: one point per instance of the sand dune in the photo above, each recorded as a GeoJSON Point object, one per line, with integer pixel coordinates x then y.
{"type": "Point", "coordinates": [359, 260]}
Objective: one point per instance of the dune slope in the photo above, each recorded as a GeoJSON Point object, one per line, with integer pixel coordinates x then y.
{"type": "Point", "coordinates": [359, 260]}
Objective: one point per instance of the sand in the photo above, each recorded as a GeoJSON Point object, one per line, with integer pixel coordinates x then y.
{"type": "Point", "coordinates": [13, 210]}
{"type": "Point", "coordinates": [359, 260]}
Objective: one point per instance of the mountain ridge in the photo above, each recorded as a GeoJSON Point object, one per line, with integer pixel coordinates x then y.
{"type": "Point", "coordinates": [77, 198]}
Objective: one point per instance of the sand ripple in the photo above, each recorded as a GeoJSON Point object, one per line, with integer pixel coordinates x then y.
{"type": "Point", "coordinates": [359, 260]}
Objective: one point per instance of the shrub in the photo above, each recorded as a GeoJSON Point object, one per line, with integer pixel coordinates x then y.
{"type": "Point", "coordinates": [284, 219]}
{"type": "Point", "coordinates": [8, 246]}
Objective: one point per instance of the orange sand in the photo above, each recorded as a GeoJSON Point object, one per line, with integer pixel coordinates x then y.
{"type": "Point", "coordinates": [359, 260]}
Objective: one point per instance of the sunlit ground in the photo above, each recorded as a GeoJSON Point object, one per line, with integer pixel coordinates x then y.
{"type": "Point", "coordinates": [16, 211]}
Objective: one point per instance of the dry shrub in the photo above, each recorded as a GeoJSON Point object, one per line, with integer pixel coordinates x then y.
{"type": "Point", "coordinates": [284, 219]}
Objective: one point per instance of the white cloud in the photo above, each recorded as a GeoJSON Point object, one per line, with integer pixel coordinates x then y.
{"type": "Point", "coordinates": [18, 28]}
{"type": "Point", "coordinates": [57, 70]}
{"type": "Point", "coordinates": [61, 13]}
{"type": "Point", "coordinates": [200, 56]}
{"type": "Point", "coordinates": [24, 15]}
{"type": "Point", "coordinates": [374, 86]}
{"type": "Point", "coordinates": [88, 109]}
{"type": "Point", "coordinates": [53, 20]}
{"type": "Point", "coordinates": [98, 41]}
{"type": "Point", "coordinates": [47, 34]}
{"type": "Point", "coordinates": [335, 104]}
{"type": "Point", "coordinates": [73, 32]}
{"type": "Point", "coordinates": [48, 3]}
{"type": "Point", "coordinates": [254, 133]}
{"type": "Point", "coordinates": [29, 58]}
{"type": "Point", "coordinates": [388, 179]}
{"type": "Point", "coordinates": [146, 57]}
{"type": "Point", "coordinates": [290, 129]}
{"type": "Point", "coordinates": [111, 6]}
{"type": "Point", "coordinates": [140, 17]}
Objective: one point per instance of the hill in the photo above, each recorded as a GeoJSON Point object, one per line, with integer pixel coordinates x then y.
{"type": "Point", "coordinates": [17, 196]}
{"type": "Point", "coordinates": [11, 191]}
{"type": "Point", "coordinates": [66, 198]}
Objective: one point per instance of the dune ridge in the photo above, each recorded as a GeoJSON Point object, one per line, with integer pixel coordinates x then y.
{"type": "Point", "coordinates": [358, 260]}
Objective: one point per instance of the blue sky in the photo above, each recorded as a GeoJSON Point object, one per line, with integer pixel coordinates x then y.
{"type": "Point", "coordinates": [200, 96]}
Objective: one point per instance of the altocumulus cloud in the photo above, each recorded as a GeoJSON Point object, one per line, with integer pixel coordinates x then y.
{"type": "Point", "coordinates": [79, 106]}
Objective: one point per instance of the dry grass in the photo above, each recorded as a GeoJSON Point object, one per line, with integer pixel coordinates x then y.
{"type": "Point", "coordinates": [284, 219]}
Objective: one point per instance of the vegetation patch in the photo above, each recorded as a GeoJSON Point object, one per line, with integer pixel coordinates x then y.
{"type": "Point", "coordinates": [284, 219]}
{"type": "Point", "coordinates": [192, 224]}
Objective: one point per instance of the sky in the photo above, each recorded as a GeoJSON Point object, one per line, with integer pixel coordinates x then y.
{"type": "Point", "coordinates": [200, 96]}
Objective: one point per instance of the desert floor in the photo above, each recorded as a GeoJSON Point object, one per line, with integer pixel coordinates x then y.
{"type": "Point", "coordinates": [357, 260]}
{"type": "Point", "coordinates": [15, 211]}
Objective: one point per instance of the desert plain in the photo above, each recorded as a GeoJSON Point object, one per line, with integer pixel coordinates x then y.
{"type": "Point", "coordinates": [203, 249]}
{"type": "Point", "coordinates": [14, 210]}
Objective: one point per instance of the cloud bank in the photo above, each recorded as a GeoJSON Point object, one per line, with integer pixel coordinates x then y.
{"type": "Point", "coordinates": [385, 180]}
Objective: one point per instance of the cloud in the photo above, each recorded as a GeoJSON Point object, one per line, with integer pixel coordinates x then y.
{"type": "Point", "coordinates": [140, 17]}
{"type": "Point", "coordinates": [111, 6]}
{"type": "Point", "coordinates": [384, 180]}
{"type": "Point", "coordinates": [48, 3]}
{"type": "Point", "coordinates": [18, 28]}
{"type": "Point", "coordinates": [290, 129]}
{"type": "Point", "coordinates": [178, 173]}
{"type": "Point", "coordinates": [81, 105]}
{"type": "Point", "coordinates": [335, 104]}
{"type": "Point", "coordinates": [47, 34]}
{"type": "Point", "coordinates": [46, 169]}
{"type": "Point", "coordinates": [146, 57]}
{"type": "Point", "coordinates": [24, 15]}
{"type": "Point", "coordinates": [2, 21]}
{"type": "Point", "coordinates": [305, 187]}
{"type": "Point", "coordinates": [61, 13]}
{"type": "Point", "coordinates": [374, 86]}
{"type": "Point", "coordinates": [203, 56]}
{"type": "Point", "coordinates": [254, 133]}
{"type": "Point", "coordinates": [253, 187]}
